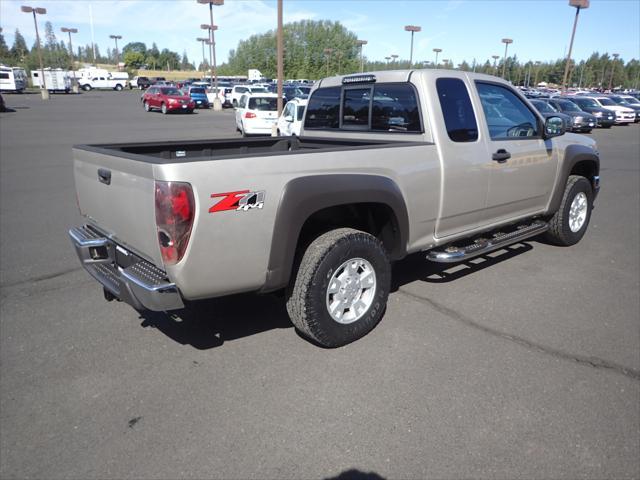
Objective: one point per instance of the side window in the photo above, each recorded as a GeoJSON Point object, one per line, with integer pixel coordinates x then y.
{"type": "Point", "coordinates": [395, 108]}
{"type": "Point", "coordinates": [457, 110]}
{"type": "Point", "coordinates": [355, 109]}
{"type": "Point", "coordinates": [4, 76]}
{"type": "Point", "coordinates": [507, 116]}
{"type": "Point", "coordinates": [287, 110]}
{"type": "Point", "coordinates": [243, 101]}
{"type": "Point", "coordinates": [323, 108]}
{"type": "Point", "coordinates": [300, 113]}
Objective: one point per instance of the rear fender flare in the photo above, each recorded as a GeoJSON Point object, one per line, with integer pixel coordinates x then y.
{"type": "Point", "coordinates": [304, 196]}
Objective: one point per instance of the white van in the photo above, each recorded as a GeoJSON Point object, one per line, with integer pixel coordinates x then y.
{"type": "Point", "coordinates": [12, 79]}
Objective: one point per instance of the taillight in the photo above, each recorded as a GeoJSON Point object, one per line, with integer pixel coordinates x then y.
{"type": "Point", "coordinates": [175, 209]}
{"type": "Point", "coordinates": [249, 115]}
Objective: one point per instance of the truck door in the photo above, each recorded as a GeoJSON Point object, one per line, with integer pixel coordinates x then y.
{"type": "Point", "coordinates": [521, 163]}
{"type": "Point", "coordinates": [465, 179]}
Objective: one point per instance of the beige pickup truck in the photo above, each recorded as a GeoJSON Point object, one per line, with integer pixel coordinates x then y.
{"type": "Point", "coordinates": [448, 163]}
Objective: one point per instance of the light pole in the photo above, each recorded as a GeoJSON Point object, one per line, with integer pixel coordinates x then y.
{"type": "Point", "coordinates": [280, 65]}
{"type": "Point", "coordinates": [74, 85]}
{"type": "Point", "coordinates": [535, 82]}
{"type": "Point", "coordinates": [578, 4]}
{"type": "Point", "coordinates": [413, 29]}
{"type": "Point", "coordinates": [528, 81]}
{"type": "Point", "coordinates": [445, 63]}
{"type": "Point", "coordinates": [387, 59]}
{"type": "Point", "coordinates": [495, 63]}
{"type": "Point", "coordinates": [393, 59]}
{"type": "Point", "coordinates": [437, 50]}
{"type": "Point", "coordinates": [360, 43]}
{"type": "Point", "coordinates": [506, 42]}
{"type": "Point", "coordinates": [40, 11]}
{"type": "Point", "coordinates": [116, 38]}
{"type": "Point", "coordinates": [339, 58]}
{"type": "Point", "coordinates": [207, 27]}
{"type": "Point", "coordinates": [327, 55]}
{"type": "Point", "coordinates": [203, 41]}
{"type": "Point", "coordinates": [613, 68]}
{"type": "Point", "coordinates": [217, 104]}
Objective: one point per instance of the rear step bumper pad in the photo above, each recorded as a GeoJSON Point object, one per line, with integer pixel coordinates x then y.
{"type": "Point", "coordinates": [141, 284]}
{"type": "Point", "coordinates": [486, 245]}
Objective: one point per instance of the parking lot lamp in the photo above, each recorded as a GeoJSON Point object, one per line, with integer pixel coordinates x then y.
{"type": "Point", "coordinates": [360, 43]}
{"type": "Point", "coordinates": [217, 104]}
{"type": "Point", "coordinates": [116, 38]}
{"type": "Point", "coordinates": [203, 40]}
{"type": "Point", "coordinates": [437, 50]}
{"type": "Point", "coordinates": [495, 63]}
{"type": "Point", "coordinates": [387, 59]}
{"type": "Point", "coordinates": [279, 65]}
{"type": "Point", "coordinates": [40, 11]}
{"type": "Point", "coordinates": [339, 58]}
{"type": "Point", "coordinates": [207, 27]}
{"type": "Point", "coordinates": [413, 29]}
{"type": "Point", "coordinates": [74, 85]}
{"type": "Point", "coordinates": [393, 60]}
{"type": "Point", "coordinates": [506, 42]}
{"type": "Point", "coordinates": [327, 55]}
{"type": "Point", "coordinates": [578, 4]}
{"type": "Point", "coordinates": [613, 69]}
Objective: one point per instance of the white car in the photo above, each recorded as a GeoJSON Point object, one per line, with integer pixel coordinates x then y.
{"type": "Point", "coordinates": [239, 90]}
{"type": "Point", "coordinates": [290, 121]}
{"type": "Point", "coordinates": [256, 114]}
{"type": "Point", "coordinates": [623, 114]}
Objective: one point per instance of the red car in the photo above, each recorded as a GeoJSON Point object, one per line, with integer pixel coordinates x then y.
{"type": "Point", "coordinates": [167, 99]}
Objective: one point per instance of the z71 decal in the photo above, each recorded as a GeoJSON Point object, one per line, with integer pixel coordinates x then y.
{"type": "Point", "coordinates": [240, 200]}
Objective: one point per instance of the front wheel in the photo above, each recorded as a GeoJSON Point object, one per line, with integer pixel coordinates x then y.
{"type": "Point", "coordinates": [86, 88]}
{"type": "Point", "coordinates": [341, 287]}
{"type": "Point", "coordinates": [163, 109]}
{"type": "Point", "coordinates": [147, 108]}
{"type": "Point", "coordinates": [569, 224]}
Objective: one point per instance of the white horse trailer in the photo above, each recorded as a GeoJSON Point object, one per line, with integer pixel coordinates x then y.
{"type": "Point", "coordinates": [12, 79]}
{"type": "Point", "coordinates": [56, 80]}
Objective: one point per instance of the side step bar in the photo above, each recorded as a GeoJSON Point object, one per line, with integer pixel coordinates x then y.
{"type": "Point", "coordinates": [480, 246]}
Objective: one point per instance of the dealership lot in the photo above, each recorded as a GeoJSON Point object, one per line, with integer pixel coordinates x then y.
{"type": "Point", "coordinates": [523, 363]}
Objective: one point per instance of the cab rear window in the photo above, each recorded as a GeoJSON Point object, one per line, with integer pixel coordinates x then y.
{"type": "Point", "coordinates": [381, 108]}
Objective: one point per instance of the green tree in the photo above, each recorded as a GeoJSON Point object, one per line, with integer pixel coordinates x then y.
{"type": "Point", "coordinates": [138, 47]}
{"type": "Point", "coordinates": [19, 50]}
{"type": "Point", "coordinates": [133, 59]}
{"type": "Point", "coordinates": [5, 54]}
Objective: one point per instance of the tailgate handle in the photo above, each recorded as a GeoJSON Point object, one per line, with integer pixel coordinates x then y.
{"type": "Point", "coordinates": [104, 176]}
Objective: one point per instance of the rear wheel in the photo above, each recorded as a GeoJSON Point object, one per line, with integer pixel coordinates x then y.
{"type": "Point", "coordinates": [163, 109]}
{"type": "Point", "coordinates": [569, 224]}
{"type": "Point", "coordinates": [118, 87]}
{"type": "Point", "coordinates": [340, 288]}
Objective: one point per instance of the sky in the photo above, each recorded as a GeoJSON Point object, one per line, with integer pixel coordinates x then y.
{"type": "Point", "coordinates": [463, 29]}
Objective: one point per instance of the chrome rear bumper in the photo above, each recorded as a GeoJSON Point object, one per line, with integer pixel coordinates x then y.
{"type": "Point", "coordinates": [125, 275]}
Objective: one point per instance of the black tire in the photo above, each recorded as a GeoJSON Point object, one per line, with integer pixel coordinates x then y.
{"type": "Point", "coordinates": [559, 232]}
{"type": "Point", "coordinates": [307, 296]}
{"type": "Point", "coordinates": [86, 88]}
{"type": "Point", "coordinates": [118, 87]}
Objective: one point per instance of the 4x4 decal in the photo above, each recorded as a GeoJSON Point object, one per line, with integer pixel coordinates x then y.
{"type": "Point", "coordinates": [240, 200]}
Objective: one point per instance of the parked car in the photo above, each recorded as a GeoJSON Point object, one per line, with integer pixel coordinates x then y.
{"type": "Point", "coordinates": [140, 82]}
{"type": "Point", "coordinates": [623, 100]}
{"type": "Point", "coordinates": [199, 96]}
{"type": "Point", "coordinates": [155, 80]}
{"type": "Point", "coordinates": [623, 115]}
{"type": "Point", "coordinates": [581, 121]}
{"type": "Point", "coordinates": [320, 217]}
{"type": "Point", "coordinates": [547, 111]}
{"type": "Point", "coordinates": [605, 118]}
{"type": "Point", "coordinates": [238, 90]}
{"type": "Point", "coordinates": [167, 99]}
{"type": "Point", "coordinates": [290, 121]}
{"type": "Point", "coordinates": [256, 113]}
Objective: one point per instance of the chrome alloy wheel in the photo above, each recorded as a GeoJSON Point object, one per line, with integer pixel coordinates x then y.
{"type": "Point", "coordinates": [351, 290]}
{"type": "Point", "coordinates": [578, 212]}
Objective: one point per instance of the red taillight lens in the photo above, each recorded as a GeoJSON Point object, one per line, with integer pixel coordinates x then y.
{"type": "Point", "coordinates": [249, 115]}
{"type": "Point", "coordinates": [175, 209]}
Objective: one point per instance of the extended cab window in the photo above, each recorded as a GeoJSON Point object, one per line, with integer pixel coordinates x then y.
{"type": "Point", "coordinates": [395, 108]}
{"type": "Point", "coordinates": [457, 110]}
{"type": "Point", "coordinates": [323, 108]}
{"type": "Point", "coordinates": [507, 116]}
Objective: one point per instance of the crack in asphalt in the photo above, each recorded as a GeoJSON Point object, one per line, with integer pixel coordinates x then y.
{"type": "Point", "coordinates": [41, 278]}
{"type": "Point", "coordinates": [594, 362]}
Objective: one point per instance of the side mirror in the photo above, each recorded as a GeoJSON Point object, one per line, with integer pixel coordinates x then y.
{"type": "Point", "coordinates": [553, 127]}
{"type": "Point", "coordinates": [288, 118]}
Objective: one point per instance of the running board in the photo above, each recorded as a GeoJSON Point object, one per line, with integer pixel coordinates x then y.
{"type": "Point", "coordinates": [480, 246]}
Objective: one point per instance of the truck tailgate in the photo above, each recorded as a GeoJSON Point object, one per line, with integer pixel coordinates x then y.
{"type": "Point", "coordinates": [118, 196]}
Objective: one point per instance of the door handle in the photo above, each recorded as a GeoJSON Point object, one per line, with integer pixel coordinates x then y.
{"type": "Point", "coordinates": [501, 156]}
{"type": "Point", "coordinates": [104, 176]}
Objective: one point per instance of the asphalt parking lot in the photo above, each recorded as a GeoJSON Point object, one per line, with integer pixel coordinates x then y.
{"type": "Point", "coordinates": [521, 364]}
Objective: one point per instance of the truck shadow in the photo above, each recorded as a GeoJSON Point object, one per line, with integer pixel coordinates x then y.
{"type": "Point", "coordinates": [207, 324]}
